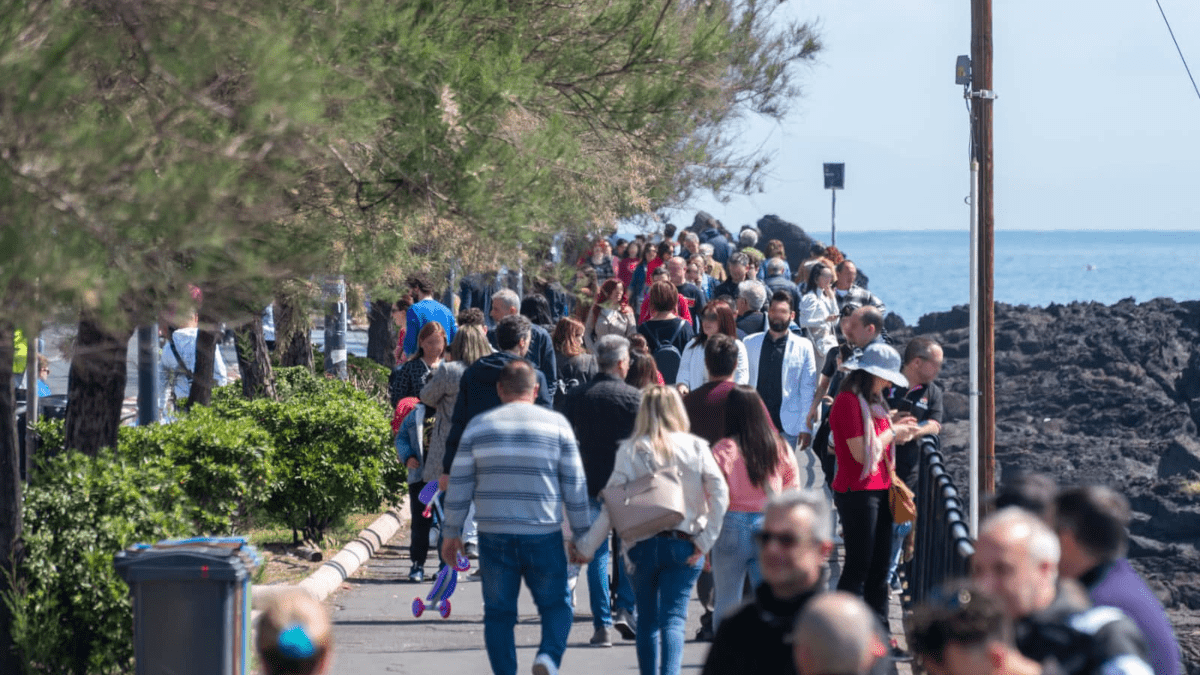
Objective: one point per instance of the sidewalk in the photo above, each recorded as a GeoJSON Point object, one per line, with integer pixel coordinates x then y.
{"type": "Point", "coordinates": [375, 632]}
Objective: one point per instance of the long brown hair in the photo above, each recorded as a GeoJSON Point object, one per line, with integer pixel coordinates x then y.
{"type": "Point", "coordinates": [563, 338]}
{"type": "Point", "coordinates": [726, 321]}
{"type": "Point", "coordinates": [749, 425]}
{"type": "Point", "coordinates": [605, 294]}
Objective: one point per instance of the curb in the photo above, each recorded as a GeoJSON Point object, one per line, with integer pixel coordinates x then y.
{"type": "Point", "coordinates": [342, 566]}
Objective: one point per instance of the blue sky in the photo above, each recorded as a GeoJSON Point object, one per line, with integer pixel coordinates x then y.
{"type": "Point", "coordinates": [1096, 126]}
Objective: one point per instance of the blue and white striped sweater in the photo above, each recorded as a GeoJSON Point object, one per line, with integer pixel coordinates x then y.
{"type": "Point", "coordinates": [520, 463]}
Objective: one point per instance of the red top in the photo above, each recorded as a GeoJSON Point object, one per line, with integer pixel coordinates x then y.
{"type": "Point", "coordinates": [845, 421]}
{"type": "Point", "coordinates": [681, 308]}
{"type": "Point", "coordinates": [625, 269]}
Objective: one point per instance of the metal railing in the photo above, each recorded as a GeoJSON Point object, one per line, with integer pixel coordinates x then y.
{"type": "Point", "coordinates": [943, 543]}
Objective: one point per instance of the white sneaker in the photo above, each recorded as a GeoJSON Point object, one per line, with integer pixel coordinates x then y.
{"type": "Point", "coordinates": [544, 665]}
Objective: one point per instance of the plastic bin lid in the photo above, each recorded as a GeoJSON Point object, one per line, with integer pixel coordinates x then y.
{"type": "Point", "coordinates": [215, 559]}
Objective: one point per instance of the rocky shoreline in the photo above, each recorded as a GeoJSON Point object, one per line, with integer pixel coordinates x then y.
{"type": "Point", "coordinates": [1092, 393]}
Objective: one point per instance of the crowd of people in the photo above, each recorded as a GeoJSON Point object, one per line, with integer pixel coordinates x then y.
{"type": "Point", "coordinates": [691, 376]}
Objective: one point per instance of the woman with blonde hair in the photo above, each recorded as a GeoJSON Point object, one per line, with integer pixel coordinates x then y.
{"type": "Point", "coordinates": [294, 636]}
{"type": "Point", "coordinates": [664, 566]}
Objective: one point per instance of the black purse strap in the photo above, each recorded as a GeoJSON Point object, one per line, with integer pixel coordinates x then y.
{"type": "Point", "coordinates": [179, 359]}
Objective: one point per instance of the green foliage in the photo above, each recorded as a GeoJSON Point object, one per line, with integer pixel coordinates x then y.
{"type": "Point", "coordinates": [369, 377]}
{"type": "Point", "coordinates": [333, 453]}
{"type": "Point", "coordinates": [226, 462]}
{"type": "Point", "coordinates": [72, 612]}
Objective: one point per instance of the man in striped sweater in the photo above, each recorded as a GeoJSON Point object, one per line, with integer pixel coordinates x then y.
{"type": "Point", "coordinates": [520, 464]}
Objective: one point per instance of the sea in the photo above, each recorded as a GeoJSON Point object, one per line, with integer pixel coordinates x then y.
{"type": "Point", "coordinates": [919, 272]}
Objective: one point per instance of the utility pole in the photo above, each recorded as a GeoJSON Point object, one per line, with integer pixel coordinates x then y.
{"type": "Point", "coordinates": [982, 98]}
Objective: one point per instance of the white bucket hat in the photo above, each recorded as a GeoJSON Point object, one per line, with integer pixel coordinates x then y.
{"type": "Point", "coordinates": [881, 360]}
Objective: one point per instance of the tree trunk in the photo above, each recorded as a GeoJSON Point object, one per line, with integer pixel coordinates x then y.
{"type": "Point", "coordinates": [206, 352]}
{"type": "Point", "coordinates": [292, 329]}
{"type": "Point", "coordinates": [254, 361]}
{"type": "Point", "coordinates": [96, 388]}
{"type": "Point", "coordinates": [380, 339]}
{"type": "Point", "coordinates": [10, 497]}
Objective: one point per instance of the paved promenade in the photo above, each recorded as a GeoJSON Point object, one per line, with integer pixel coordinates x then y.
{"type": "Point", "coordinates": [375, 631]}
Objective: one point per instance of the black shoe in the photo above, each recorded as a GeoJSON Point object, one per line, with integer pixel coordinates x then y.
{"type": "Point", "coordinates": [898, 654]}
{"type": "Point", "coordinates": [705, 634]}
{"type": "Point", "coordinates": [625, 624]}
{"type": "Point", "coordinates": [417, 574]}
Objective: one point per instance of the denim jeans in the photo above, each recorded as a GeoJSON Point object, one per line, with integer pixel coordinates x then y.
{"type": "Point", "coordinates": [598, 583]}
{"type": "Point", "coordinates": [867, 537]}
{"type": "Point", "coordinates": [541, 560]}
{"type": "Point", "coordinates": [662, 583]}
{"type": "Point", "coordinates": [899, 532]}
{"type": "Point", "coordinates": [733, 557]}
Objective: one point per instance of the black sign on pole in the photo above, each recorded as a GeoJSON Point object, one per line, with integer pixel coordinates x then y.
{"type": "Point", "coordinates": [835, 176]}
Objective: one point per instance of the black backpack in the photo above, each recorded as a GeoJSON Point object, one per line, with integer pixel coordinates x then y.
{"type": "Point", "coordinates": [666, 355]}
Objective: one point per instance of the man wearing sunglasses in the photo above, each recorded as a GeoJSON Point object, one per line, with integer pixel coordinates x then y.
{"type": "Point", "coordinates": [794, 544]}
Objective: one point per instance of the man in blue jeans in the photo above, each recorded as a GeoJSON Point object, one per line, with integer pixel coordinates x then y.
{"type": "Point", "coordinates": [520, 464]}
{"type": "Point", "coordinates": [602, 412]}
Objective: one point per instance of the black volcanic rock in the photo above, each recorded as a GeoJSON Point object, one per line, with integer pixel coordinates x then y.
{"type": "Point", "coordinates": [1092, 393]}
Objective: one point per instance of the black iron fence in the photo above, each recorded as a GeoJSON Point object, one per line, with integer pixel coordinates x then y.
{"type": "Point", "coordinates": [943, 544]}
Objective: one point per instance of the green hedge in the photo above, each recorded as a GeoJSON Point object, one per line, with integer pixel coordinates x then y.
{"type": "Point", "coordinates": [318, 454]}
{"type": "Point", "coordinates": [72, 613]}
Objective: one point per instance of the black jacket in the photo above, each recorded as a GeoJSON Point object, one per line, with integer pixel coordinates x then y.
{"type": "Point", "coordinates": [601, 412]}
{"type": "Point", "coordinates": [540, 354]}
{"type": "Point", "coordinates": [1078, 640]}
{"type": "Point", "coordinates": [477, 394]}
{"type": "Point", "coordinates": [757, 638]}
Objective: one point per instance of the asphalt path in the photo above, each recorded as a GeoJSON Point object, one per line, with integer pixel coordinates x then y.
{"type": "Point", "coordinates": [375, 632]}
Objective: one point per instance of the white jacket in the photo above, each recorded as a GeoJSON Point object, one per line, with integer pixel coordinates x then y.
{"type": "Point", "coordinates": [799, 379]}
{"type": "Point", "coordinates": [694, 373]}
{"type": "Point", "coordinates": [706, 494]}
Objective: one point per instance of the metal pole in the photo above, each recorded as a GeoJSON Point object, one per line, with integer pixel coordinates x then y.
{"type": "Point", "coordinates": [833, 220]}
{"type": "Point", "coordinates": [973, 398]}
{"type": "Point", "coordinates": [149, 375]}
{"type": "Point", "coordinates": [334, 290]}
{"type": "Point", "coordinates": [31, 400]}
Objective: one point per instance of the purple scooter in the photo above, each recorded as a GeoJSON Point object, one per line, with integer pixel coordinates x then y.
{"type": "Point", "coordinates": [447, 578]}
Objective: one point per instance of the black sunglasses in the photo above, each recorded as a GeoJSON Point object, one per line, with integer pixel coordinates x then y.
{"type": "Point", "coordinates": [785, 539]}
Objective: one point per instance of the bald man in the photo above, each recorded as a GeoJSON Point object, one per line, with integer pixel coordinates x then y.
{"type": "Point", "coordinates": [836, 633]}
{"type": "Point", "coordinates": [1016, 561]}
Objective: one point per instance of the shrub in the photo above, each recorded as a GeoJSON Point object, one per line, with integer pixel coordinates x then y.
{"type": "Point", "coordinates": [72, 613]}
{"type": "Point", "coordinates": [226, 461]}
{"type": "Point", "coordinates": [369, 377]}
{"type": "Point", "coordinates": [333, 453]}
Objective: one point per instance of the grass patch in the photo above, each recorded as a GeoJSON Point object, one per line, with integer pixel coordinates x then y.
{"type": "Point", "coordinates": [280, 564]}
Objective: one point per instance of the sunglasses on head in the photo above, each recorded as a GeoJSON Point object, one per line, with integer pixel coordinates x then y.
{"type": "Point", "coordinates": [784, 539]}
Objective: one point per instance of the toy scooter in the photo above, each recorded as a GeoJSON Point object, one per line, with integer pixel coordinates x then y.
{"type": "Point", "coordinates": [447, 578]}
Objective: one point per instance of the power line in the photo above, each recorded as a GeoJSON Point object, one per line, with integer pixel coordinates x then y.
{"type": "Point", "coordinates": [1181, 57]}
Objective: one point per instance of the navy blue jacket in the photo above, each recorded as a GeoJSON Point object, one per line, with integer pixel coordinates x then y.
{"type": "Point", "coordinates": [477, 394]}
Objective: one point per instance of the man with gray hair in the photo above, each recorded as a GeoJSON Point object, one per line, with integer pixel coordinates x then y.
{"type": "Point", "coordinates": [836, 633]}
{"type": "Point", "coordinates": [1016, 561]}
{"type": "Point", "coordinates": [776, 280]}
{"type": "Point", "coordinates": [601, 412]}
{"type": "Point", "coordinates": [541, 348]}
{"type": "Point", "coordinates": [793, 545]}
{"type": "Point", "coordinates": [751, 299]}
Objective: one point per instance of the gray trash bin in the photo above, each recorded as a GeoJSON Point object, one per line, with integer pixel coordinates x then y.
{"type": "Point", "coordinates": [191, 605]}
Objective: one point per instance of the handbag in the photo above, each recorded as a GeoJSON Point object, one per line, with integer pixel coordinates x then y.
{"type": "Point", "coordinates": [647, 505]}
{"type": "Point", "coordinates": [900, 498]}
